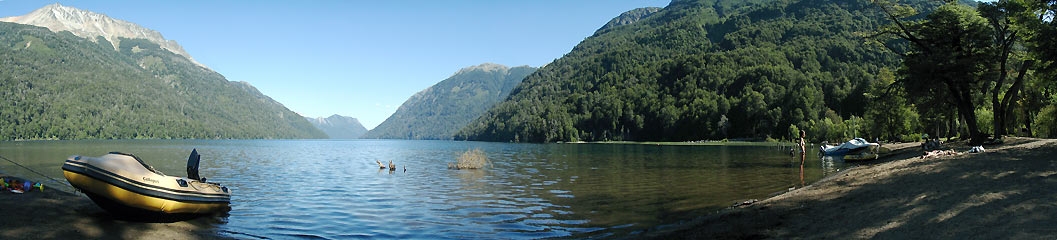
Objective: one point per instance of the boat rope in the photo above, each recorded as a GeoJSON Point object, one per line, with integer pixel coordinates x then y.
{"type": "Point", "coordinates": [38, 173]}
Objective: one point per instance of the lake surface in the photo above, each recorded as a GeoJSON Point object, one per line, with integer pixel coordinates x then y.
{"type": "Point", "coordinates": [334, 189]}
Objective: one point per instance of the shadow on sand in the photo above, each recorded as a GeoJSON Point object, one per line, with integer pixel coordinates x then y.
{"type": "Point", "coordinates": [1004, 194]}
{"type": "Point", "coordinates": [60, 215]}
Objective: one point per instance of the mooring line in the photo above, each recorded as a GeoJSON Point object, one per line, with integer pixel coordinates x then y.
{"type": "Point", "coordinates": [38, 173]}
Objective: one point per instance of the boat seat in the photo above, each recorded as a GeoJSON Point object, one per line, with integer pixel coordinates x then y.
{"type": "Point", "coordinates": [192, 165]}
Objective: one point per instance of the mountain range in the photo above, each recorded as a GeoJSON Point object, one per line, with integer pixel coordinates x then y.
{"type": "Point", "coordinates": [339, 127]}
{"type": "Point", "coordinates": [696, 69]}
{"type": "Point", "coordinates": [83, 75]}
{"type": "Point", "coordinates": [90, 25]}
{"type": "Point", "coordinates": [439, 111]}
{"type": "Point", "coordinates": [700, 69]}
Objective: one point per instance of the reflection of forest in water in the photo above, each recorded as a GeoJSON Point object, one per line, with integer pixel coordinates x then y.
{"type": "Point", "coordinates": [537, 190]}
{"type": "Point", "coordinates": [649, 185]}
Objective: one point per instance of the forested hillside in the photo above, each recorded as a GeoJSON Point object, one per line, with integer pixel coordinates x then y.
{"type": "Point", "coordinates": [60, 86]}
{"type": "Point", "coordinates": [442, 109]}
{"type": "Point", "coordinates": [705, 69]}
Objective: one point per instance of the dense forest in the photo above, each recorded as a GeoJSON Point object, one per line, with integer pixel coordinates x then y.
{"type": "Point", "coordinates": [60, 86]}
{"type": "Point", "coordinates": [442, 109]}
{"type": "Point", "coordinates": [700, 70]}
{"type": "Point", "coordinates": [719, 69]}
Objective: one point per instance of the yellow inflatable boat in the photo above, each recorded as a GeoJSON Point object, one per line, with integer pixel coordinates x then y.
{"type": "Point", "coordinates": [123, 184]}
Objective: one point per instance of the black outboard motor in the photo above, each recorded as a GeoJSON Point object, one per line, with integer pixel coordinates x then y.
{"type": "Point", "coordinates": [192, 165]}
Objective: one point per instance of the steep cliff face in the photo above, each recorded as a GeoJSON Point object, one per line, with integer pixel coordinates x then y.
{"type": "Point", "coordinates": [91, 25]}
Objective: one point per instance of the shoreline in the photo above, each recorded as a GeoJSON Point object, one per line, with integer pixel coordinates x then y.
{"type": "Point", "coordinates": [1009, 191]}
{"type": "Point", "coordinates": [56, 214]}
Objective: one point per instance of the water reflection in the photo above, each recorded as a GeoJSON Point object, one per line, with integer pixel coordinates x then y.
{"type": "Point", "coordinates": [832, 164]}
{"type": "Point", "coordinates": [334, 189]}
{"type": "Point", "coordinates": [803, 158]}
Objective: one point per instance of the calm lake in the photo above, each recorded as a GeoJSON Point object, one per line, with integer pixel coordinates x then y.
{"type": "Point", "coordinates": [333, 188]}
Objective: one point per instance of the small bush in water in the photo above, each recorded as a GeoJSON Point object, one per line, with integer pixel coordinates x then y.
{"type": "Point", "coordinates": [472, 159]}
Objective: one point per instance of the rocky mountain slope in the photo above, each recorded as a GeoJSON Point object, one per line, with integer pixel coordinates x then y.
{"type": "Point", "coordinates": [90, 25]}
{"type": "Point", "coordinates": [339, 127]}
{"type": "Point", "coordinates": [442, 109]}
{"type": "Point", "coordinates": [628, 17]}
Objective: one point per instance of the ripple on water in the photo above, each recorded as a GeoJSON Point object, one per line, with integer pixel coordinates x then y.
{"type": "Point", "coordinates": [334, 190]}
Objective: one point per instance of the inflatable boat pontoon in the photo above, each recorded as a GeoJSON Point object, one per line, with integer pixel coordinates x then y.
{"type": "Point", "coordinates": [123, 184]}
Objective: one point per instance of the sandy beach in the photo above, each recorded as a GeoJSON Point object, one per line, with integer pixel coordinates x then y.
{"type": "Point", "coordinates": [54, 214]}
{"type": "Point", "coordinates": [1007, 192]}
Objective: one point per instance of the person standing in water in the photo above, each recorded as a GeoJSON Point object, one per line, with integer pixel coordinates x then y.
{"type": "Point", "coordinates": [803, 146]}
{"type": "Point", "coordinates": [803, 155]}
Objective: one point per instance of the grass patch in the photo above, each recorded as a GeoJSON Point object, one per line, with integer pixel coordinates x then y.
{"type": "Point", "coordinates": [471, 159]}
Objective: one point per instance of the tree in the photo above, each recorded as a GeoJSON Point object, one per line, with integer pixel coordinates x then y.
{"type": "Point", "coordinates": [1040, 40]}
{"type": "Point", "coordinates": [1003, 17]}
{"type": "Point", "coordinates": [891, 115]}
{"type": "Point", "coordinates": [948, 52]}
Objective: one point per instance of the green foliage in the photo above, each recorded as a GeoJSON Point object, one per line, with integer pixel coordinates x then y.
{"type": "Point", "coordinates": [1046, 122]}
{"type": "Point", "coordinates": [66, 87]}
{"type": "Point", "coordinates": [889, 115]}
{"type": "Point", "coordinates": [442, 109]}
{"type": "Point", "coordinates": [950, 51]}
{"type": "Point", "coordinates": [911, 138]}
{"type": "Point", "coordinates": [984, 116]}
{"type": "Point", "coordinates": [699, 70]}
{"type": "Point", "coordinates": [966, 57]}
{"type": "Point", "coordinates": [793, 133]}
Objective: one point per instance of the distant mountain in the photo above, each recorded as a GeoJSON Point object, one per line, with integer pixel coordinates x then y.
{"type": "Point", "coordinates": [442, 109]}
{"type": "Point", "coordinates": [62, 86]}
{"type": "Point", "coordinates": [339, 127]}
{"type": "Point", "coordinates": [701, 69]}
{"type": "Point", "coordinates": [90, 25]}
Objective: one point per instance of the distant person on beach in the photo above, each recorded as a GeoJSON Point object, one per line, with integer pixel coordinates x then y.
{"type": "Point", "coordinates": [803, 146]}
{"type": "Point", "coordinates": [803, 156]}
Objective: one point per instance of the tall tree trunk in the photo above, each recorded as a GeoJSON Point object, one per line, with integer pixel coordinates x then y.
{"type": "Point", "coordinates": [996, 106]}
{"type": "Point", "coordinates": [1009, 98]}
{"type": "Point", "coordinates": [1027, 123]}
{"type": "Point", "coordinates": [1005, 38]}
{"type": "Point", "coordinates": [964, 102]}
{"type": "Point", "coordinates": [966, 109]}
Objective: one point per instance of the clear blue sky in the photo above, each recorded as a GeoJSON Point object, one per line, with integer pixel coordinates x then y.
{"type": "Point", "coordinates": [358, 58]}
